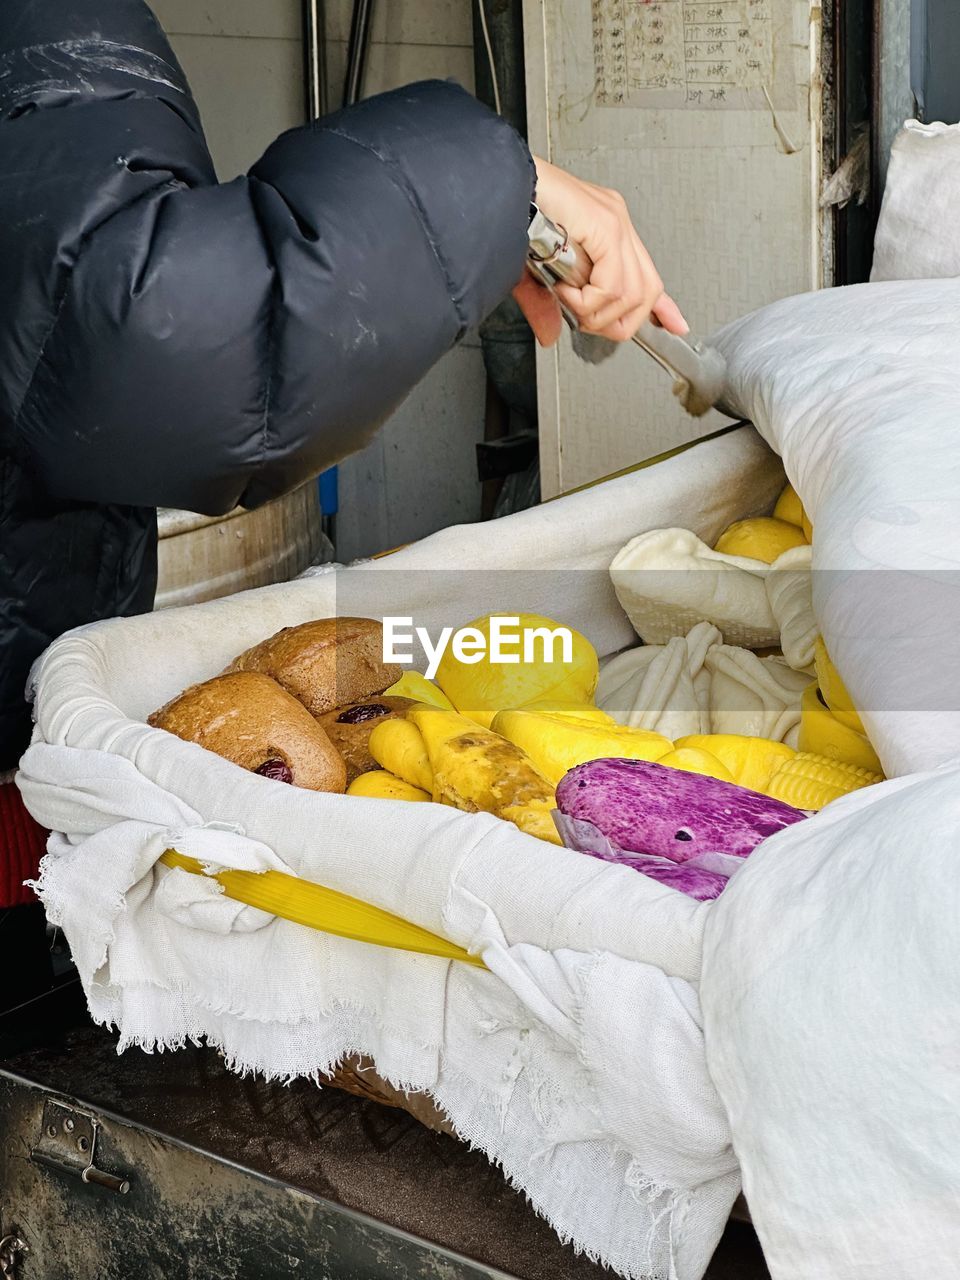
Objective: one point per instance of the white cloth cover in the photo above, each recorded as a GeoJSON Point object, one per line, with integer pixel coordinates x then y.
{"type": "Point", "coordinates": [831, 998]}
{"type": "Point", "coordinates": [831, 978]}
{"type": "Point", "coordinates": [577, 1063]}
{"type": "Point", "coordinates": [918, 233]}
{"type": "Point", "coordinates": [697, 684]}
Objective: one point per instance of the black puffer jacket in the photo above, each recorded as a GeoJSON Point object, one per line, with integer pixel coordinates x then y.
{"type": "Point", "coordinates": [167, 341]}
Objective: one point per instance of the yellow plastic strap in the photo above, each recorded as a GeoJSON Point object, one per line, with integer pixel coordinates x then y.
{"type": "Point", "coordinates": [312, 905]}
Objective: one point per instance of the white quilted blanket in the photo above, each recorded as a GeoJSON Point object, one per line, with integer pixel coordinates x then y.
{"type": "Point", "coordinates": [857, 390]}
{"type": "Point", "coordinates": [831, 980]}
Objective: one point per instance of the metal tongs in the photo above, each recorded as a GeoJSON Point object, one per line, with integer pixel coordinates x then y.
{"type": "Point", "coordinates": [699, 372]}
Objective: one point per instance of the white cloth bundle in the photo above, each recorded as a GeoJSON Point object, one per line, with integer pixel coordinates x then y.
{"type": "Point", "coordinates": [662, 688]}
{"type": "Point", "coordinates": [790, 593]}
{"type": "Point", "coordinates": [668, 580]}
{"type": "Point", "coordinates": [857, 390]}
{"type": "Point", "coordinates": [831, 996]}
{"type": "Point", "coordinates": [697, 684]}
{"type": "Point", "coordinates": [917, 234]}
{"type": "Point", "coordinates": [758, 697]}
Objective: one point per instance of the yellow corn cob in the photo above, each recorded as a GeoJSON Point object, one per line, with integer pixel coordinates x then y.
{"type": "Point", "coordinates": [811, 782]}
{"type": "Point", "coordinates": [824, 733]}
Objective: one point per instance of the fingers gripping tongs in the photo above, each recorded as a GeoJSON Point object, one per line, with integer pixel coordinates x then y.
{"type": "Point", "coordinates": [698, 371]}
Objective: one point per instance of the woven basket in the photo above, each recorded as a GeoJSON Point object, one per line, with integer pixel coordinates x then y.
{"type": "Point", "coordinates": [359, 1077]}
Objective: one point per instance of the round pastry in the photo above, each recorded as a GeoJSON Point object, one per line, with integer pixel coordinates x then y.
{"type": "Point", "coordinates": [349, 729]}
{"type": "Point", "coordinates": [328, 663]}
{"type": "Point", "coordinates": [246, 717]}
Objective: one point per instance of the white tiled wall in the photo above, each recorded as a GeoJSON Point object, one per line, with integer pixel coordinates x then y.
{"type": "Point", "coordinates": [244, 61]}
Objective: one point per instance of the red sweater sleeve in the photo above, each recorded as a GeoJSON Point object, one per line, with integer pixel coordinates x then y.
{"type": "Point", "coordinates": [22, 845]}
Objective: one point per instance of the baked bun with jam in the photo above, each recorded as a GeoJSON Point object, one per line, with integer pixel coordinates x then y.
{"type": "Point", "coordinates": [349, 729]}
{"type": "Point", "coordinates": [325, 664]}
{"type": "Point", "coordinates": [248, 718]}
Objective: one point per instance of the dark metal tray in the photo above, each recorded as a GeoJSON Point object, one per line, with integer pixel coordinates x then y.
{"type": "Point", "coordinates": [234, 1178]}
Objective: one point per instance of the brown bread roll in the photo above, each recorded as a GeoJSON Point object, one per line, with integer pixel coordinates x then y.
{"type": "Point", "coordinates": [246, 717]}
{"type": "Point", "coordinates": [349, 729]}
{"type": "Point", "coordinates": [325, 664]}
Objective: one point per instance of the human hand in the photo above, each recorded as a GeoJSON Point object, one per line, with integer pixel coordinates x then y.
{"type": "Point", "coordinates": [624, 288]}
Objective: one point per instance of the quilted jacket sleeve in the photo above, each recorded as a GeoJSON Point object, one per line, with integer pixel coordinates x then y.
{"type": "Point", "coordinates": [169, 341]}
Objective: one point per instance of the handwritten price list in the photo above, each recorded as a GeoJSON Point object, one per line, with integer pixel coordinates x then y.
{"type": "Point", "coordinates": [694, 53]}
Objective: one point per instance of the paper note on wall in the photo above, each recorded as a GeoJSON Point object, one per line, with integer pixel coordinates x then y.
{"type": "Point", "coordinates": [689, 53]}
{"type": "Point", "coordinates": [705, 115]}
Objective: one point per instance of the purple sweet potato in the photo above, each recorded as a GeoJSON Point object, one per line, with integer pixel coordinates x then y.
{"type": "Point", "coordinates": [693, 881]}
{"type": "Point", "coordinates": [702, 879]}
{"type": "Point", "coordinates": [646, 808]}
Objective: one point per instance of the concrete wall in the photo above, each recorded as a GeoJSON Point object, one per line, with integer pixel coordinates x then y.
{"type": "Point", "coordinates": [244, 61]}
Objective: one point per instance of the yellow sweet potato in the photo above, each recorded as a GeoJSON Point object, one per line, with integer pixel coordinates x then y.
{"type": "Point", "coordinates": [378, 784]}
{"type": "Point", "coordinates": [398, 746]}
{"type": "Point", "coordinates": [555, 743]}
{"type": "Point", "coordinates": [477, 770]}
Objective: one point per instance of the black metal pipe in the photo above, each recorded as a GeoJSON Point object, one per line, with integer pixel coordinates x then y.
{"type": "Point", "coordinates": [316, 103]}
{"type": "Point", "coordinates": [854, 77]}
{"type": "Point", "coordinates": [505, 24]}
{"type": "Point", "coordinates": [313, 25]}
{"type": "Point", "coordinates": [509, 352]}
{"type": "Point", "coordinates": [357, 51]}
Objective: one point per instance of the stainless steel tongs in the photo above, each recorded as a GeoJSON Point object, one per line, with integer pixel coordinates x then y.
{"type": "Point", "coordinates": [698, 371]}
